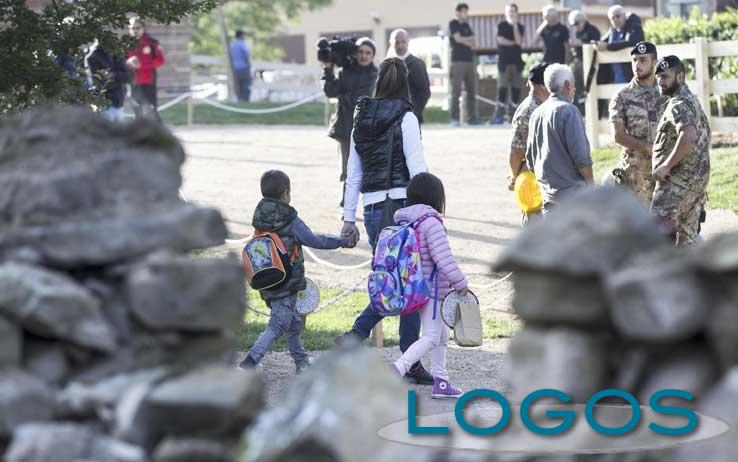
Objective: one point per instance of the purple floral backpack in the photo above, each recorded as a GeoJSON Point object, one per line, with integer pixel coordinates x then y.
{"type": "Point", "coordinates": [396, 284]}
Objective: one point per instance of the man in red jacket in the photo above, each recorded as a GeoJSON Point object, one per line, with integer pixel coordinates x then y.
{"type": "Point", "coordinates": [145, 59]}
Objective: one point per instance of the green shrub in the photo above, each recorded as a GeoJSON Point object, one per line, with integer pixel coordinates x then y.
{"type": "Point", "coordinates": [718, 27]}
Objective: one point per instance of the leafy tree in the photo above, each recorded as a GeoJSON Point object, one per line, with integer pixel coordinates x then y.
{"type": "Point", "coordinates": [260, 19]}
{"type": "Point", "coordinates": [30, 42]}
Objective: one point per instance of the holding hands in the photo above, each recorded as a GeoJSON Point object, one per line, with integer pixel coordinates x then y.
{"type": "Point", "coordinates": [351, 232]}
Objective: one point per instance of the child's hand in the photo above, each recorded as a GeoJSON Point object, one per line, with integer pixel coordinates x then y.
{"type": "Point", "coordinates": [463, 292]}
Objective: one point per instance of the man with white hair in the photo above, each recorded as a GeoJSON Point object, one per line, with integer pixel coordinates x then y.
{"type": "Point", "coordinates": [584, 32]}
{"type": "Point", "coordinates": [558, 149]}
{"type": "Point", "coordinates": [555, 37]}
{"type": "Point", "coordinates": [417, 74]}
{"type": "Point", "coordinates": [625, 32]}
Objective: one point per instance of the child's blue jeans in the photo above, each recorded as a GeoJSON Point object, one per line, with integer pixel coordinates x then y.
{"type": "Point", "coordinates": [284, 320]}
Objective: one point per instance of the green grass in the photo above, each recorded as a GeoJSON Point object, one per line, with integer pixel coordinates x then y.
{"type": "Point", "coordinates": [723, 188]}
{"type": "Point", "coordinates": [323, 326]}
{"type": "Point", "coordinates": [307, 114]}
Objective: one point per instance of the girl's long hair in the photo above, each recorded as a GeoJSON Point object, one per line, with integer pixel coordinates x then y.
{"type": "Point", "coordinates": [392, 79]}
{"type": "Point", "coordinates": [427, 189]}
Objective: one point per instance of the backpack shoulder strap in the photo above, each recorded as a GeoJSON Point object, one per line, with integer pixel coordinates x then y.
{"type": "Point", "coordinates": [425, 217]}
{"type": "Point", "coordinates": [273, 236]}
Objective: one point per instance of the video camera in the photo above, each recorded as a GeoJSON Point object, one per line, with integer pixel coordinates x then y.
{"type": "Point", "coordinates": [340, 51]}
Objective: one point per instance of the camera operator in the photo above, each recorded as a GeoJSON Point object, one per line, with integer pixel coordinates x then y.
{"type": "Point", "coordinates": [356, 79]}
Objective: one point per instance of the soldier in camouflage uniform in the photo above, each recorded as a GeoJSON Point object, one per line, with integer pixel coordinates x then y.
{"type": "Point", "coordinates": [634, 118]}
{"type": "Point", "coordinates": [681, 155]}
{"type": "Point", "coordinates": [538, 94]}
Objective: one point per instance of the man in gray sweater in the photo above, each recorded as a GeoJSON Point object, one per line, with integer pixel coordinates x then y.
{"type": "Point", "coordinates": [558, 149]}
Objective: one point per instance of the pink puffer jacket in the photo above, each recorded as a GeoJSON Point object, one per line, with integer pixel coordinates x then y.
{"type": "Point", "coordinates": [434, 249]}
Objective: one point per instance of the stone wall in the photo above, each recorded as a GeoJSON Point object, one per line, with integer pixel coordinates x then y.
{"type": "Point", "coordinates": [115, 344]}
{"type": "Point", "coordinates": [608, 302]}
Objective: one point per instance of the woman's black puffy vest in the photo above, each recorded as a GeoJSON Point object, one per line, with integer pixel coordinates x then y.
{"type": "Point", "coordinates": [377, 133]}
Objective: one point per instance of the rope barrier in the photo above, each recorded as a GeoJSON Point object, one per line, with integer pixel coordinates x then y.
{"type": "Point", "coordinates": [489, 101]}
{"type": "Point", "coordinates": [497, 310]}
{"type": "Point", "coordinates": [491, 285]}
{"type": "Point", "coordinates": [175, 101]}
{"type": "Point", "coordinates": [320, 261]}
{"type": "Point", "coordinates": [262, 111]}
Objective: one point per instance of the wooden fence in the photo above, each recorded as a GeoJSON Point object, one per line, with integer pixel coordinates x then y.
{"type": "Point", "coordinates": [700, 51]}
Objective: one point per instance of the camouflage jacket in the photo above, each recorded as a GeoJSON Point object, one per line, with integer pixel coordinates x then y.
{"type": "Point", "coordinates": [520, 121]}
{"type": "Point", "coordinates": [639, 109]}
{"type": "Point", "coordinates": [683, 109]}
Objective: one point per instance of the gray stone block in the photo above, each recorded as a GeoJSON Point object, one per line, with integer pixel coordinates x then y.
{"type": "Point", "coordinates": [45, 360]}
{"type": "Point", "coordinates": [571, 360]}
{"type": "Point", "coordinates": [194, 449]}
{"type": "Point", "coordinates": [180, 293]}
{"type": "Point", "coordinates": [10, 343]}
{"type": "Point", "coordinates": [79, 191]}
{"type": "Point", "coordinates": [23, 399]}
{"type": "Point", "coordinates": [657, 298]}
{"type": "Point", "coordinates": [550, 298]}
{"type": "Point", "coordinates": [331, 413]}
{"type": "Point", "coordinates": [68, 442]}
{"type": "Point", "coordinates": [722, 324]}
{"type": "Point", "coordinates": [210, 401]}
{"type": "Point", "coordinates": [52, 305]}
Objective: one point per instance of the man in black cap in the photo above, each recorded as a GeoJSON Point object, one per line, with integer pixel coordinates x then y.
{"type": "Point", "coordinates": [634, 116]}
{"type": "Point", "coordinates": [537, 95]}
{"type": "Point", "coordinates": [681, 155]}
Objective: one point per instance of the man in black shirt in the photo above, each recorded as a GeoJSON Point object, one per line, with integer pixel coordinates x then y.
{"type": "Point", "coordinates": [417, 75]}
{"type": "Point", "coordinates": [584, 33]}
{"type": "Point", "coordinates": [462, 69]}
{"type": "Point", "coordinates": [555, 37]}
{"type": "Point", "coordinates": [510, 64]}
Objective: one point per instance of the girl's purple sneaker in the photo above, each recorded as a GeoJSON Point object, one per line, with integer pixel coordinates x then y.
{"type": "Point", "coordinates": [442, 389]}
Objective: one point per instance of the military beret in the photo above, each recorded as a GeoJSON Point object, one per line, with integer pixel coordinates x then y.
{"type": "Point", "coordinates": [668, 62]}
{"type": "Point", "coordinates": [642, 48]}
{"type": "Point", "coordinates": [536, 73]}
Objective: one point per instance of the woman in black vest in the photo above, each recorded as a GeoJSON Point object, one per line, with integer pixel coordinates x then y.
{"type": "Point", "coordinates": [385, 152]}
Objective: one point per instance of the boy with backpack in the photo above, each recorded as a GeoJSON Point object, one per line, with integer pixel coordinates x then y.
{"type": "Point", "coordinates": [276, 267]}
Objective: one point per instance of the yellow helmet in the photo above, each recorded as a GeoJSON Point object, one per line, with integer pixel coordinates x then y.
{"type": "Point", "coordinates": [527, 193]}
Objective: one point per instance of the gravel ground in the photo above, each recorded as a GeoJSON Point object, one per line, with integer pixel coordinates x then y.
{"type": "Point", "coordinates": [224, 165]}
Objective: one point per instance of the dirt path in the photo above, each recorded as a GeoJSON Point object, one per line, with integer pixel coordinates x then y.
{"type": "Point", "coordinates": [223, 170]}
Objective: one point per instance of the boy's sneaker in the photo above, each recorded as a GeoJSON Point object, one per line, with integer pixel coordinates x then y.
{"type": "Point", "coordinates": [248, 363]}
{"type": "Point", "coordinates": [496, 121]}
{"type": "Point", "coordinates": [442, 389]}
{"type": "Point", "coordinates": [455, 123]}
{"type": "Point", "coordinates": [419, 375]}
{"type": "Point", "coordinates": [302, 367]}
{"type": "Point", "coordinates": [476, 121]}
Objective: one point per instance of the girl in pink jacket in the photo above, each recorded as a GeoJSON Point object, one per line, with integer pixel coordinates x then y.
{"type": "Point", "coordinates": [425, 195]}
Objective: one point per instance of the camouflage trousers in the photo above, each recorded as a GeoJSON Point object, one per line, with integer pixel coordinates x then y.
{"type": "Point", "coordinates": [679, 208]}
{"type": "Point", "coordinates": [637, 176]}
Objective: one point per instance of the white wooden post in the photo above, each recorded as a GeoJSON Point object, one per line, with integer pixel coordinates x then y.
{"type": "Point", "coordinates": [378, 335]}
{"type": "Point", "coordinates": [702, 73]}
{"type": "Point", "coordinates": [590, 104]}
{"type": "Point", "coordinates": [190, 111]}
